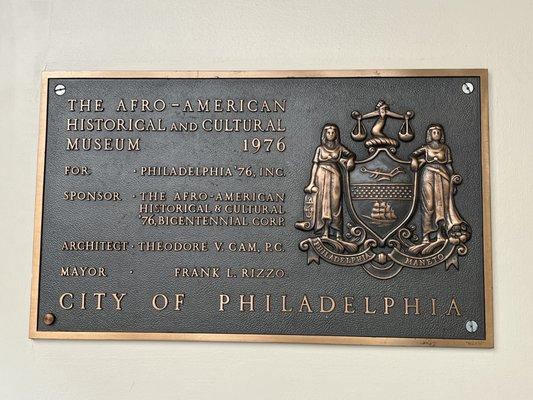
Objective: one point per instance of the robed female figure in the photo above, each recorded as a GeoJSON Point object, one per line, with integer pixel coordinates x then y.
{"type": "Point", "coordinates": [326, 182]}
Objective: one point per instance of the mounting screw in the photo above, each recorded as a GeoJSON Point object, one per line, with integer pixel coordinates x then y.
{"type": "Point", "coordinates": [471, 326]}
{"type": "Point", "coordinates": [60, 90]}
{"type": "Point", "coordinates": [468, 87]}
{"type": "Point", "coordinates": [49, 319]}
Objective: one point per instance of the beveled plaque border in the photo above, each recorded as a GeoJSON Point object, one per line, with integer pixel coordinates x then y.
{"type": "Point", "coordinates": [482, 74]}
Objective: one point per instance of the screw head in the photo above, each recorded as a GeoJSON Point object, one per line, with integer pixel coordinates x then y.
{"type": "Point", "coordinates": [49, 319]}
{"type": "Point", "coordinates": [471, 326]}
{"type": "Point", "coordinates": [60, 90]}
{"type": "Point", "coordinates": [468, 87]}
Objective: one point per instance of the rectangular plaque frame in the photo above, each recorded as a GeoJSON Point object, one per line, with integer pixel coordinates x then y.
{"type": "Point", "coordinates": [482, 74]}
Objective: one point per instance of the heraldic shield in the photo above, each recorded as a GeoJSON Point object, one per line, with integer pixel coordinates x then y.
{"type": "Point", "coordinates": [380, 193]}
{"type": "Point", "coordinates": [403, 211]}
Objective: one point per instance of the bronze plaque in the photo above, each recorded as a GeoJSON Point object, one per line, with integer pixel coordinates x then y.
{"type": "Point", "coordinates": [271, 206]}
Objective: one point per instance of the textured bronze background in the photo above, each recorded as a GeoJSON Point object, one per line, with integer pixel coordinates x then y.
{"type": "Point", "coordinates": [311, 99]}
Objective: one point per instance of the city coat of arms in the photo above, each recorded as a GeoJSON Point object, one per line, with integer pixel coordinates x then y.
{"type": "Point", "coordinates": [402, 212]}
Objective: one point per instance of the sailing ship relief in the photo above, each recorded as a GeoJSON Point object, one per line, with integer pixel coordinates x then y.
{"type": "Point", "coordinates": [380, 194]}
{"type": "Point", "coordinates": [382, 214]}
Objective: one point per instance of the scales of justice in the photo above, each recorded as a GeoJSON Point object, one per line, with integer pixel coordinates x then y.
{"type": "Point", "coordinates": [402, 212]}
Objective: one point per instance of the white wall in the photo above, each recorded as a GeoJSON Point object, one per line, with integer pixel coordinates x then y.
{"type": "Point", "coordinates": [52, 35]}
